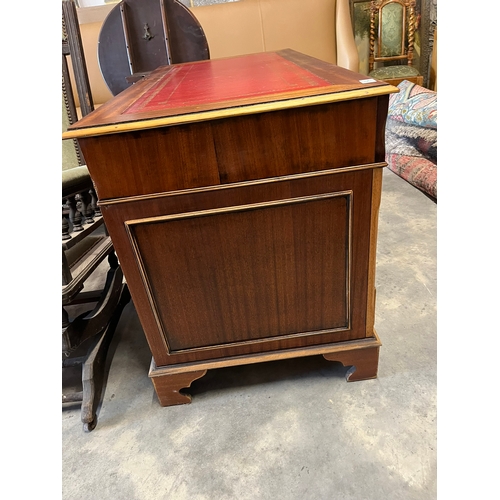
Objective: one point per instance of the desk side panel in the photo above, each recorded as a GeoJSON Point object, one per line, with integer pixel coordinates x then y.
{"type": "Point", "coordinates": [382, 112]}
{"type": "Point", "coordinates": [289, 263]}
{"type": "Point", "coordinates": [249, 272]}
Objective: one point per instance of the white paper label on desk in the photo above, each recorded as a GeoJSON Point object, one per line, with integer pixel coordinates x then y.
{"type": "Point", "coordinates": [368, 80]}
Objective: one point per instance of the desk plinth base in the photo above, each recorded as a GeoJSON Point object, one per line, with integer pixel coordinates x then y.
{"type": "Point", "coordinates": [361, 355]}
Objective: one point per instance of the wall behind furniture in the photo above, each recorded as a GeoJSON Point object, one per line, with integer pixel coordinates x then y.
{"type": "Point", "coordinates": [187, 3]}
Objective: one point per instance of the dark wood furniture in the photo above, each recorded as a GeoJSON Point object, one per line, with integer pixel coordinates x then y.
{"type": "Point", "coordinates": [137, 36]}
{"type": "Point", "coordinates": [89, 318]}
{"type": "Point", "coordinates": [242, 198]}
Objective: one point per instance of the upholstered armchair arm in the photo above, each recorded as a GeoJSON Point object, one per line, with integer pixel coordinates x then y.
{"type": "Point", "coordinates": [347, 53]}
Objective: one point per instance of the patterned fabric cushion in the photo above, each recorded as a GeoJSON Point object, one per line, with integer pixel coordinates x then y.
{"type": "Point", "coordinates": [416, 170]}
{"type": "Point", "coordinates": [411, 140]}
{"type": "Point", "coordinates": [387, 72]}
{"type": "Point", "coordinates": [414, 104]}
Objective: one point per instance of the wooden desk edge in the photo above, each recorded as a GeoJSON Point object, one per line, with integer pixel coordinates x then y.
{"type": "Point", "coordinates": [229, 112]}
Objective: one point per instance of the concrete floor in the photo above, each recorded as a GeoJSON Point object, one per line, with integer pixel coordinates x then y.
{"type": "Point", "coordinates": [282, 430]}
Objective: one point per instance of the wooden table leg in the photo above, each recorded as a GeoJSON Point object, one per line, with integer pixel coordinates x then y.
{"type": "Point", "coordinates": [361, 354]}
{"type": "Point", "coordinates": [364, 362]}
{"type": "Point", "coordinates": [168, 387]}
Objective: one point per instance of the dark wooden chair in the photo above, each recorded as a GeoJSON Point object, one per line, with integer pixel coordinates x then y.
{"type": "Point", "coordinates": [392, 35]}
{"type": "Point", "coordinates": [89, 318]}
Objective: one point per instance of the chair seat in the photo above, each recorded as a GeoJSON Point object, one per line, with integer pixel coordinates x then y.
{"type": "Point", "coordinates": [387, 72]}
{"type": "Point", "coordinates": [75, 179]}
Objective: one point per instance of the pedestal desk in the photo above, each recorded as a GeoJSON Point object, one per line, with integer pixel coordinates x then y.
{"type": "Point", "coordinates": [242, 197]}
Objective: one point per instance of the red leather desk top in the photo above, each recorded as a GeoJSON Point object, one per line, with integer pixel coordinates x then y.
{"type": "Point", "coordinates": [218, 88]}
{"type": "Point", "coordinates": [226, 80]}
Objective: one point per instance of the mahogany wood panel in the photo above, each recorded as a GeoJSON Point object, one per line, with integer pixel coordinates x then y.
{"type": "Point", "coordinates": [152, 161]}
{"type": "Point", "coordinates": [241, 274]}
{"type": "Point", "coordinates": [234, 149]}
{"type": "Point", "coordinates": [117, 212]}
{"type": "Point", "coordinates": [296, 140]}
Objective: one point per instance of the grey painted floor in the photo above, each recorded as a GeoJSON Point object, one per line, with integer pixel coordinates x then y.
{"type": "Point", "coordinates": [283, 430]}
